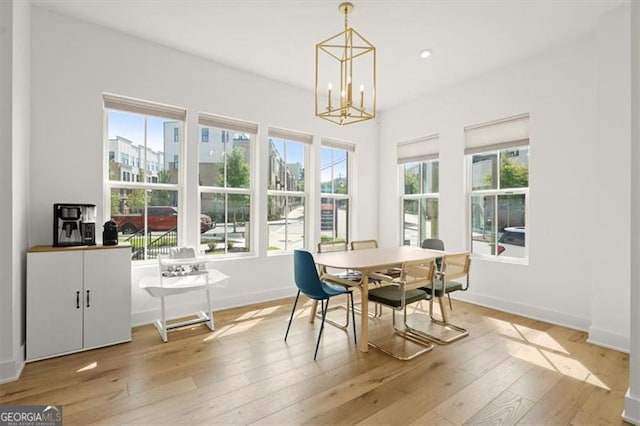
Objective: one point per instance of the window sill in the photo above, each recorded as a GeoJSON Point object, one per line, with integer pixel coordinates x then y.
{"type": "Point", "coordinates": [208, 258]}
{"type": "Point", "coordinates": [497, 259]}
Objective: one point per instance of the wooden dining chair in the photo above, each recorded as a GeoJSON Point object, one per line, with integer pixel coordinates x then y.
{"type": "Point", "coordinates": [373, 280]}
{"type": "Point", "coordinates": [364, 244]}
{"type": "Point", "coordinates": [332, 246]}
{"type": "Point", "coordinates": [327, 275]}
{"type": "Point", "coordinates": [453, 276]}
{"type": "Point", "coordinates": [369, 244]}
{"type": "Point", "coordinates": [400, 292]}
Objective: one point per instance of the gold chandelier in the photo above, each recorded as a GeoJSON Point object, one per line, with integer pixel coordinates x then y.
{"type": "Point", "coordinates": [349, 60]}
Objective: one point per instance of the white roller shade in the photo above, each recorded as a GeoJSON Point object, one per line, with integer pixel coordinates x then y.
{"type": "Point", "coordinates": [138, 106]}
{"type": "Point", "coordinates": [500, 134]}
{"type": "Point", "coordinates": [227, 123]}
{"type": "Point", "coordinates": [332, 143]}
{"type": "Point", "coordinates": [421, 149]}
{"type": "Point", "coordinates": [290, 135]}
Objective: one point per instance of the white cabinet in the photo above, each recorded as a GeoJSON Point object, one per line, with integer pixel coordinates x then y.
{"type": "Point", "coordinates": [77, 298]}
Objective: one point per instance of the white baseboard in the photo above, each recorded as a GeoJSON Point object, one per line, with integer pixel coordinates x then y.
{"type": "Point", "coordinates": [597, 336]}
{"type": "Point", "coordinates": [529, 311]}
{"type": "Point", "coordinates": [11, 370]}
{"type": "Point", "coordinates": [631, 411]}
{"type": "Point", "coordinates": [607, 339]}
{"type": "Point", "coordinates": [187, 309]}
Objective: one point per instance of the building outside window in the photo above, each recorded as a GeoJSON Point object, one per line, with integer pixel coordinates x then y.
{"type": "Point", "coordinates": [286, 190]}
{"type": "Point", "coordinates": [205, 134]}
{"type": "Point", "coordinates": [419, 168]}
{"type": "Point", "coordinates": [498, 158]}
{"type": "Point", "coordinates": [143, 190]}
{"type": "Point", "coordinates": [335, 198]}
{"type": "Point", "coordinates": [226, 183]}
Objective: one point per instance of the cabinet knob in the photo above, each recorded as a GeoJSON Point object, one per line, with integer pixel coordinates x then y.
{"type": "Point", "coordinates": [88, 292]}
{"type": "Point", "coordinates": [77, 300]}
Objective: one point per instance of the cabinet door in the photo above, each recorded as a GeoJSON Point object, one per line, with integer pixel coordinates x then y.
{"type": "Point", "coordinates": [54, 303]}
{"type": "Point", "coordinates": [107, 296]}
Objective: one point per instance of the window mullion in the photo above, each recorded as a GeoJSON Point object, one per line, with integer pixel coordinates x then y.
{"type": "Point", "coordinates": [146, 205]}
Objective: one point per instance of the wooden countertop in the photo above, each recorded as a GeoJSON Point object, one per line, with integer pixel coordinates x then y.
{"type": "Point", "coordinates": [43, 249]}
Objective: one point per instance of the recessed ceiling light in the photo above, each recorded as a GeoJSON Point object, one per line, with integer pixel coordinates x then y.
{"type": "Point", "coordinates": [425, 53]}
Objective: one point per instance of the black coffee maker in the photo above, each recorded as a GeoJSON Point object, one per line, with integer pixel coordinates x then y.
{"type": "Point", "coordinates": [74, 224]}
{"type": "Point", "coordinates": [110, 234]}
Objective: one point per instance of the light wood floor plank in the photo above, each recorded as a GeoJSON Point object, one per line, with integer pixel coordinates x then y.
{"type": "Point", "coordinates": [506, 409]}
{"type": "Point", "coordinates": [464, 404]}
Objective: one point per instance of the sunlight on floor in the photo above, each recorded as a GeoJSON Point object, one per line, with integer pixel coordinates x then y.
{"type": "Point", "coordinates": [539, 348]}
{"type": "Point", "coordinates": [250, 319]}
{"type": "Point", "coordinates": [87, 367]}
{"type": "Point", "coordinates": [258, 313]}
{"type": "Point", "coordinates": [232, 329]}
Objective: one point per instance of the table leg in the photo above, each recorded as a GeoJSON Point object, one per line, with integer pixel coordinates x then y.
{"type": "Point", "coordinates": [314, 309]}
{"type": "Point", "coordinates": [364, 313]}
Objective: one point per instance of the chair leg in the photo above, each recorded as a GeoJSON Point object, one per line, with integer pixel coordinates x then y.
{"type": "Point", "coordinates": [325, 306]}
{"type": "Point", "coordinates": [291, 318]}
{"type": "Point", "coordinates": [336, 324]}
{"type": "Point", "coordinates": [450, 305]}
{"type": "Point", "coordinates": [408, 334]}
{"type": "Point", "coordinates": [455, 332]}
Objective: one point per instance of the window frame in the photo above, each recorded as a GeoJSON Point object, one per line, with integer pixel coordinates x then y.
{"type": "Point", "coordinates": [146, 110]}
{"type": "Point", "coordinates": [305, 140]}
{"type": "Point", "coordinates": [418, 197]}
{"type": "Point", "coordinates": [229, 126]}
{"type": "Point", "coordinates": [420, 150]}
{"type": "Point", "coordinates": [497, 192]}
{"type": "Point", "coordinates": [349, 149]}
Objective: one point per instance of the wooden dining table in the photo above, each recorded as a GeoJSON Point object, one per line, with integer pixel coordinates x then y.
{"type": "Point", "coordinates": [367, 261]}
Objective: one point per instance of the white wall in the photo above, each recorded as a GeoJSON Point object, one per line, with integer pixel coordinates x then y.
{"type": "Point", "coordinates": [75, 62]}
{"type": "Point", "coordinates": [14, 186]}
{"type": "Point", "coordinates": [611, 270]}
{"type": "Point", "coordinates": [567, 217]}
{"type": "Point", "coordinates": [632, 398]}
{"type": "Point", "coordinates": [6, 235]}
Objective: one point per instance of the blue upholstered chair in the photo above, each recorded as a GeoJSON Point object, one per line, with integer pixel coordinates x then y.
{"type": "Point", "coordinates": [310, 284]}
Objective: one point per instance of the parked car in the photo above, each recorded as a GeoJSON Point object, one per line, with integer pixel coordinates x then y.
{"type": "Point", "coordinates": [512, 241]}
{"type": "Point", "coordinates": [160, 218]}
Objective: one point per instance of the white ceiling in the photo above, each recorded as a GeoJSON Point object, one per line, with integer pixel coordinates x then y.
{"type": "Point", "coordinates": [277, 39]}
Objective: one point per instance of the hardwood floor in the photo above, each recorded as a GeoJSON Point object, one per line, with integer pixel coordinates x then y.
{"type": "Point", "coordinates": [510, 370]}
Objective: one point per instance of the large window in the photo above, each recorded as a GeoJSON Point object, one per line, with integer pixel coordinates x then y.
{"type": "Point", "coordinates": [226, 183]}
{"type": "Point", "coordinates": [335, 200]}
{"type": "Point", "coordinates": [498, 155]}
{"type": "Point", "coordinates": [420, 189]}
{"type": "Point", "coordinates": [143, 185]}
{"type": "Point", "coordinates": [286, 190]}
{"type": "Point", "coordinates": [420, 202]}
